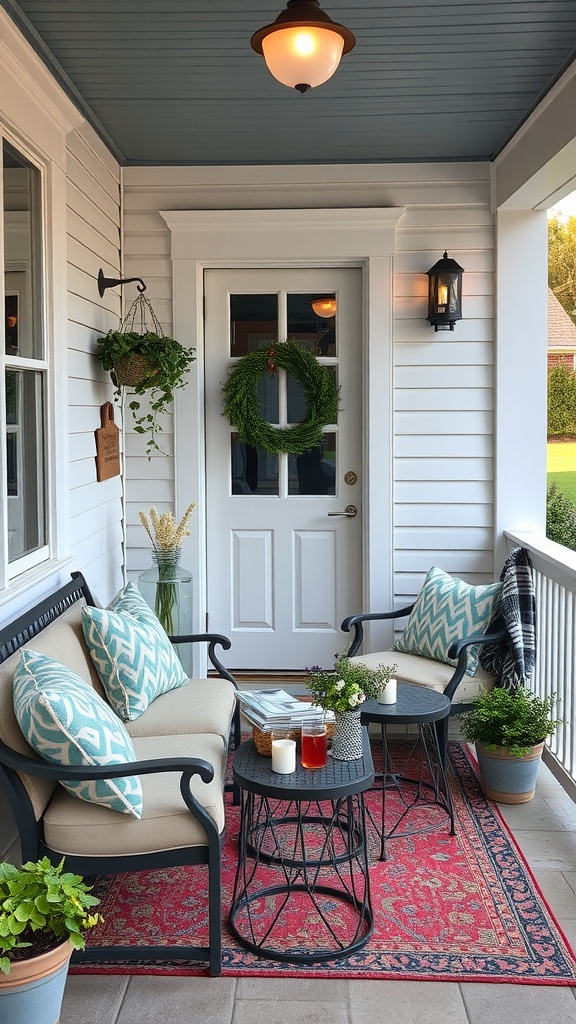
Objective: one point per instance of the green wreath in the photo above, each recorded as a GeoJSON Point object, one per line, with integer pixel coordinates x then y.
{"type": "Point", "coordinates": [241, 404]}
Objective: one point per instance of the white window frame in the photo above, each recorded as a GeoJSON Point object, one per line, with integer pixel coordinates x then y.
{"type": "Point", "coordinates": [12, 572]}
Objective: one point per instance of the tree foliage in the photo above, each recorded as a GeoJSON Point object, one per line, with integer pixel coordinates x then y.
{"type": "Point", "coordinates": [562, 262]}
{"type": "Point", "coordinates": [560, 518]}
{"type": "Point", "coordinates": [561, 401]}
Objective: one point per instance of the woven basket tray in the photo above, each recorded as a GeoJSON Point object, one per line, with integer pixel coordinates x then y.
{"type": "Point", "coordinates": [263, 740]}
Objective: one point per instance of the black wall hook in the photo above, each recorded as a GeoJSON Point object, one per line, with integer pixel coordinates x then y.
{"type": "Point", "coordinates": [111, 282]}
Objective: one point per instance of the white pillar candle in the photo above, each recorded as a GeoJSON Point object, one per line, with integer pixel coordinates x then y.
{"type": "Point", "coordinates": [389, 695]}
{"type": "Point", "coordinates": [284, 756]}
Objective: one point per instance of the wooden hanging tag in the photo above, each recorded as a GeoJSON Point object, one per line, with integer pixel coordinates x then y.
{"type": "Point", "coordinates": [107, 445]}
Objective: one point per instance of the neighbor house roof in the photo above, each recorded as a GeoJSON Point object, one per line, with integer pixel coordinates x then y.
{"type": "Point", "coordinates": [561, 329]}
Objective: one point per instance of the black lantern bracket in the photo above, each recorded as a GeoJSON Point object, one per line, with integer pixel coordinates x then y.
{"type": "Point", "coordinates": [111, 282]}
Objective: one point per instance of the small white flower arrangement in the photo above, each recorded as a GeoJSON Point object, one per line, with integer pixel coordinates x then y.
{"type": "Point", "coordinates": [347, 685]}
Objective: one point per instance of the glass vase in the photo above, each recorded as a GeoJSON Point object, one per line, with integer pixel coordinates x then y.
{"type": "Point", "coordinates": [167, 587]}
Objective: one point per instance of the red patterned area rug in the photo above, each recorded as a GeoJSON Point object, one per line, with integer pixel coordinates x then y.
{"type": "Point", "coordinates": [446, 908]}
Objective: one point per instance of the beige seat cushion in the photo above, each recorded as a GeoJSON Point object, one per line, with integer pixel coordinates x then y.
{"type": "Point", "coordinates": [75, 827]}
{"type": "Point", "coordinates": [413, 668]}
{"type": "Point", "coordinates": [200, 706]}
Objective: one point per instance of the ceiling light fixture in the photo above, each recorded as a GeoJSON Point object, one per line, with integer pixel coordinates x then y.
{"type": "Point", "coordinates": [324, 307]}
{"type": "Point", "coordinates": [303, 47]}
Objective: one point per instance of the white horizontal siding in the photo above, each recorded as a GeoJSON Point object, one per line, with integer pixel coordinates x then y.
{"type": "Point", "coordinates": [443, 382]}
{"type": "Point", "coordinates": [93, 230]}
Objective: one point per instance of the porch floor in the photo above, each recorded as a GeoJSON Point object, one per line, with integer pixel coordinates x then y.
{"type": "Point", "coordinates": [546, 832]}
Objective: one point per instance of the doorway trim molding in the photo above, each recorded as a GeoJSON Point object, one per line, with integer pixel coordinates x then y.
{"type": "Point", "coordinates": [243, 239]}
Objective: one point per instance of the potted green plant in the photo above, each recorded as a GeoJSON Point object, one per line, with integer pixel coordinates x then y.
{"type": "Point", "coordinates": [509, 728]}
{"type": "Point", "coordinates": [44, 913]}
{"type": "Point", "coordinates": [147, 362]}
{"type": "Point", "coordinates": [343, 690]}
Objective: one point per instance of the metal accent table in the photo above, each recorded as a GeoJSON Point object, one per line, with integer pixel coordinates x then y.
{"type": "Point", "coordinates": [302, 887]}
{"type": "Point", "coordinates": [421, 707]}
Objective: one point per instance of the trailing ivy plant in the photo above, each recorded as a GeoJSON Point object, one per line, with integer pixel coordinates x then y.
{"type": "Point", "coordinates": [41, 905]}
{"type": "Point", "coordinates": [515, 719]}
{"type": "Point", "coordinates": [167, 362]}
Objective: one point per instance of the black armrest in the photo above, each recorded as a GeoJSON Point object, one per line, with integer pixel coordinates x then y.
{"type": "Point", "coordinates": [214, 640]}
{"type": "Point", "coordinates": [63, 772]}
{"type": "Point", "coordinates": [357, 620]}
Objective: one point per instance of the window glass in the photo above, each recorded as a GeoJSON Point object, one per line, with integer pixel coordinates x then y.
{"type": "Point", "coordinates": [253, 322]}
{"type": "Point", "coordinates": [253, 471]}
{"type": "Point", "coordinates": [314, 472]}
{"type": "Point", "coordinates": [25, 388]}
{"type": "Point", "coordinates": [316, 331]}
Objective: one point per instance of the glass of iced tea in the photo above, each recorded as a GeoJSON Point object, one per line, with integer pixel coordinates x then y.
{"type": "Point", "coordinates": [314, 745]}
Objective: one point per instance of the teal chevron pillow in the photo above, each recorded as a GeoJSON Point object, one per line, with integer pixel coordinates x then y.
{"type": "Point", "coordinates": [134, 659]}
{"type": "Point", "coordinates": [447, 609]}
{"type": "Point", "coordinates": [65, 721]}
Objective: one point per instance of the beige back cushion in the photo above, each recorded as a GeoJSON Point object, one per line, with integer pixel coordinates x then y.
{"type": "Point", "coordinates": [63, 641]}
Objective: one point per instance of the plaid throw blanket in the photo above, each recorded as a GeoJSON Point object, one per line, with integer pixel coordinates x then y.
{"type": "Point", "coordinates": [512, 661]}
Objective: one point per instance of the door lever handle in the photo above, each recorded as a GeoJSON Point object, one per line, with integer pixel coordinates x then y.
{"type": "Point", "coordinates": [350, 511]}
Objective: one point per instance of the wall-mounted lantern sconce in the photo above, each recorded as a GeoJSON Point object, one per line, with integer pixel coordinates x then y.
{"type": "Point", "coordinates": [445, 294]}
{"type": "Point", "coordinates": [303, 46]}
{"type": "Point", "coordinates": [111, 282]}
{"type": "Point", "coordinates": [324, 306]}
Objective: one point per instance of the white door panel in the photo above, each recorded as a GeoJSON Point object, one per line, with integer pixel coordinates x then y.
{"type": "Point", "coordinates": [282, 574]}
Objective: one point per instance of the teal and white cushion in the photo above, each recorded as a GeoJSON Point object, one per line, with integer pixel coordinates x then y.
{"type": "Point", "coordinates": [133, 656]}
{"type": "Point", "coordinates": [66, 722]}
{"type": "Point", "coordinates": [447, 609]}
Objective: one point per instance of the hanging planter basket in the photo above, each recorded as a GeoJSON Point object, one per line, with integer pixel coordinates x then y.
{"type": "Point", "coordinates": [141, 357]}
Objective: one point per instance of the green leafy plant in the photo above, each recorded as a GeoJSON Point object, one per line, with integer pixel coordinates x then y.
{"type": "Point", "coordinates": [41, 905]}
{"type": "Point", "coordinates": [348, 685]}
{"type": "Point", "coordinates": [167, 362]}
{"type": "Point", "coordinates": [560, 518]}
{"type": "Point", "coordinates": [515, 719]}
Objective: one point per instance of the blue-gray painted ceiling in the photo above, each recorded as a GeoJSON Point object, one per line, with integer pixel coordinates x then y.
{"type": "Point", "coordinates": [176, 82]}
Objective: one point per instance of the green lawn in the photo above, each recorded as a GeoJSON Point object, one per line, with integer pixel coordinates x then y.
{"type": "Point", "coordinates": [561, 465]}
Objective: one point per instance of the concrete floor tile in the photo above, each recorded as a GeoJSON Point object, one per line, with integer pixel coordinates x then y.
{"type": "Point", "coordinates": [535, 816]}
{"type": "Point", "coordinates": [558, 893]}
{"type": "Point", "coordinates": [268, 1011]}
{"type": "Point", "coordinates": [287, 989]}
{"type": "Point", "coordinates": [92, 999]}
{"type": "Point", "coordinates": [555, 851]}
{"type": "Point", "coordinates": [518, 1004]}
{"type": "Point", "coordinates": [570, 877]}
{"type": "Point", "coordinates": [408, 1002]}
{"type": "Point", "coordinates": [172, 1000]}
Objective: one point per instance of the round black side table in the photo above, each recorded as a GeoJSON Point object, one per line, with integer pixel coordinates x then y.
{"type": "Point", "coordinates": [302, 887]}
{"type": "Point", "coordinates": [423, 708]}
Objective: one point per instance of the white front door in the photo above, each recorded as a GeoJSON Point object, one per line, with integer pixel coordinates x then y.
{"type": "Point", "coordinates": [283, 558]}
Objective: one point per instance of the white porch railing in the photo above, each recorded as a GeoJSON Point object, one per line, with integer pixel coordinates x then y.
{"type": "Point", "coordinates": [555, 572]}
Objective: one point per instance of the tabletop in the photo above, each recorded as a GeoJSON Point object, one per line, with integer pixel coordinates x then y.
{"type": "Point", "coordinates": [253, 773]}
{"type": "Point", "coordinates": [414, 704]}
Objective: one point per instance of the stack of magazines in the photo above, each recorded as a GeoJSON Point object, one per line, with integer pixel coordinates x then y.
{"type": "Point", "coordinates": [276, 709]}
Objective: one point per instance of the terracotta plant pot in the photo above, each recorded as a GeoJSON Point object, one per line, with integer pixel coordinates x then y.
{"type": "Point", "coordinates": [32, 991]}
{"type": "Point", "coordinates": [508, 779]}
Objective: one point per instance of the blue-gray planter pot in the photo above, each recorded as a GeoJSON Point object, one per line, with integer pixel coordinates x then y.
{"type": "Point", "coordinates": [32, 991]}
{"type": "Point", "coordinates": [507, 779]}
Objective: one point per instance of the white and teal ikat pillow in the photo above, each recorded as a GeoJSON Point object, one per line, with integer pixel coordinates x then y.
{"type": "Point", "coordinates": [133, 656]}
{"type": "Point", "coordinates": [66, 722]}
{"type": "Point", "coordinates": [448, 609]}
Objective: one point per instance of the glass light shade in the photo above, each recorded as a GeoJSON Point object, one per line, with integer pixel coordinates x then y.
{"type": "Point", "coordinates": [324, 307]}
{"type": "Point", "coordinates": [306, 56]}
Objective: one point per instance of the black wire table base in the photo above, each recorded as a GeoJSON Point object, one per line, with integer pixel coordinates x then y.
{"type": "Point", "coordinates": [428, 790]}
{"type": "Point", "coordinates": [302, 871]}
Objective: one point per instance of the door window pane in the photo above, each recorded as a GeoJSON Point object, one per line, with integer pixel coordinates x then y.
{"type": "Point", "coordinates": [253, 322]}
{"type": "Point", "coordinates": [296, 407]}
{"type": "Point", "coordinates": [254, 471]}
{"type": "Point", "coordinates": [316, 332]}
{"type": "Point", "coordinates": [314, 472]}
{"type": "Point", "coordinates": [25, 463]}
